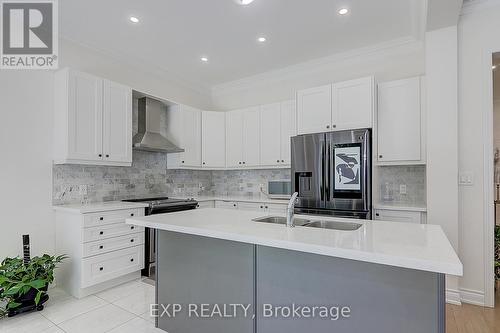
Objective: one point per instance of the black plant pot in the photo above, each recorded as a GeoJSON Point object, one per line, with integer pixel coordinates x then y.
{"type": "Point", "coordinates": [27, 302]}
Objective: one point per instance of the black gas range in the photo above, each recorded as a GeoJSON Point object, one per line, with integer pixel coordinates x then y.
{"type": "Point", "coordinates": [159, 205]}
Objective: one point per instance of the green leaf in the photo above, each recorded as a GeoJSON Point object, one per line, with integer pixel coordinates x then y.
{"type": "Point", "coordinates": [37, 297]}
{"type": "Point", "coordinates": [13, 305]}
{"type": "Point", "coordinates": [38, 284]}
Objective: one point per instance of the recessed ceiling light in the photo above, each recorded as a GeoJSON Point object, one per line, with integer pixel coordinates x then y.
{"type": "Point", "coordinates": [343, 11]}
{"type": "Point", "coordinates": [204, 59]}
{"type": "Point", "coordinates": [261, 39]}
{"type": "Point", "coordinates": [134, 19]}
{"type": "Point", "coordinates": [243, 2]}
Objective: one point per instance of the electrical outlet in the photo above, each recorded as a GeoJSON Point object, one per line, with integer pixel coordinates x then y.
{"type": "Point", "coordinates": [402, 189]}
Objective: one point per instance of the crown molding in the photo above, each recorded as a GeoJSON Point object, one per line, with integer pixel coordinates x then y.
{"type": "Point", "coordinates": [402, 45]}
{"type": "Point", "coordinates": [147, 68]}
{"type": "Point", "coordinates": [473, 6]}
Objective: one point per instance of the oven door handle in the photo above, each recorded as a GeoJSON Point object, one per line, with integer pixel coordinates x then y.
{"type": "Point", "coordinates": [322, 173]}
{"type": "Point", "coordinates": [328, 171]}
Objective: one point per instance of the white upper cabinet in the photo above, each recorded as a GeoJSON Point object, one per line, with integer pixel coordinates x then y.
{"type": "Point", "coordinates": [270, 140]}
{"type": "Point", "coordinates": [288, 129]}
{"type": "Point", "coordinates": [277, 127]}
{"type": "Point", "coordinates": [117, 131]}
{"type": "Point", "coordinates": [242, 138]}
{"type": "Point", "coordinates": [184, 130]}
{"type": "Point", "coordinates": [353, 104]}
{"type": "Point", "coordinates": [213, 138]}
{"type": "Point", "coordinates": [234, 139]}
{"type": "Point", "coordinates": [251, 137]}
{"type": "Point", "coordinates": [93, 120]}
{"type": "Point", "coordinates": [341, 106]}
{"type": "Point", "coordinates": [399, 121]}
{"type": "Point", "coordinates": [314, 109]}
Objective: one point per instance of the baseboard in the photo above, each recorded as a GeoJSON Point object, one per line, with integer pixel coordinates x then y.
{"type": "Point", "coordinates": [453, 297]}
{"type": "Point", "coordinates": [472, 297]}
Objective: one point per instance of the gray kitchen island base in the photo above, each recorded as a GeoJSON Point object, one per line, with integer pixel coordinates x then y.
{"type": "Point", "coordinates": [200, 270]}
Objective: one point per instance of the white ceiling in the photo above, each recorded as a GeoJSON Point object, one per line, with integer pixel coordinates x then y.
{"type": "Point", "coordinates": [173, 34]}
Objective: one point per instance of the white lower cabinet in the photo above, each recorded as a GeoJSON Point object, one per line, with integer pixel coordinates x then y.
{"type": "Point", "coordinates": [205, 204]}
{"type": "Point", "coordinates": [264, 207]}
{"type": "Point", "coordinates": [226, 204]}
{"type": "Point", "coordinates": [103, 250]}
{"type": "Point", "coordinates": [416, 217]}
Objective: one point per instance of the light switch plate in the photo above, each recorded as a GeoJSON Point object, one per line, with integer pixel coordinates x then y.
{"type": "Point", "coordinates": [402, 189]}
{"type": "Point", "coordinates": [466, 178]}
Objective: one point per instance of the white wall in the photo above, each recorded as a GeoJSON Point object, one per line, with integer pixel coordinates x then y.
{"type": "Point", "coordinates": [478, 38]}
{"type": "Point", "coordinates": [388, 61]}
{"type": "Point", "coordinates": [26, 110]}
{"type": "Point", "coordinates": [26, 167]}
{"type": "Point", "coordinates": [442, 127]}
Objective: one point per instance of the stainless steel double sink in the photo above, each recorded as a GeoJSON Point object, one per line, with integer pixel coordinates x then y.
{"type": "Point", "coordinates": [322, 224]}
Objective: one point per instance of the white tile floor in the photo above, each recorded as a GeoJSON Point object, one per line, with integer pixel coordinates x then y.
{"type": "Point", "coordinates": [122, 309]}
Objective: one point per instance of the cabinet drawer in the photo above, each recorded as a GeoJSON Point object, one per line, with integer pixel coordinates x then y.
{"type": "Point", "coordinates": [399, 216]}
{"type": "Point", "coordinates": [111, 265]}
{"type": "Point", "coordinates": [109, 231]}
{"type": "Point", "coordinates": [112, 244]}
{"type": "Point", "coordinates": [226, 204]}
{"type": "Point", "coordinates": [112, 217]}
{"type": "Point", "coordinates": [205, 204]}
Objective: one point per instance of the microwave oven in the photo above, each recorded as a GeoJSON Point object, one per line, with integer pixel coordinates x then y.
{"type": "Point", "coordinates": [279, 189]}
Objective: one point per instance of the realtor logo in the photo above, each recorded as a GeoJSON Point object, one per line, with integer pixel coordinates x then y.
{"type": "Point", "coordinates": [29, 34]}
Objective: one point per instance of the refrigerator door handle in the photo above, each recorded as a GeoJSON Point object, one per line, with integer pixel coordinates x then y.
{"type": "Point", "coordinates": [328, 172]}
{"type": "Point", "coordinates": [322, 183]}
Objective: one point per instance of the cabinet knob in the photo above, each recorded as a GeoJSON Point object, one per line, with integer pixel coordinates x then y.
{"type": "Point", "coordinates": [101, 218]}
{"type": "Point", "coordinates": [239, 162]}
{"type": "Point", "coordinates": [327, 126]}
{"type": "Point", "coordinates": [101, 233]}
{"type": "Point", "coordinates": [101, 268]}
{"type": "Point", "coordinates": [380, 156]}
{"type": "Point", "coordinates": [101, 247]}
{"type": "Point", "coordinates": [278, 161]}
{"type": "Point", "coordinates": [132, 259]}
{"type": "Point", "coordinates": [234, 205]}
{"type": "Point", "coordinates": [203, 163]}
{"type": "Point", "coordinates": [197, 206]}
{"type": "Point", "coordinates": [377, 214]}
{"type": "Point", "coordinates": [131, 241]}
{"type": "Point", "coordinates": [334, 126]}
{"type": "Point", "coordinates": [131, 214]}
{"type": "Point", "coordinates": [243, 162]}
{"type": "Point", "coordinates": [261, 206]}
{"type": "Point", "coordinates": [282, 161]}
{"type": "Point", "coordinates": [132, 227]}
{"type": "Point", "coordinates": [100, 155]}
{"type": "Point", "coordinates": [107, 155]}
{"type": "Point", "coordinates": [267, 207]}
{"type": "Point", "coordinates": [182, 162]}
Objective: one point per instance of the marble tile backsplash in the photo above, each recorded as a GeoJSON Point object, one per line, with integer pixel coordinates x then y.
{"type": "Point", "coordinates": [390, 178]}
{"type": "Point", "coordinates": [149, 176]}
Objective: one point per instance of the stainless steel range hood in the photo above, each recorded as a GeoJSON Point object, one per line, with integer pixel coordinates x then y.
{"type": "Point", "coordinates": [148, 136]}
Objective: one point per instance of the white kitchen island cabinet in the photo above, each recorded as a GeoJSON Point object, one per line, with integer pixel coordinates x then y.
{"type": "Point", "coordinates": [389, 275]}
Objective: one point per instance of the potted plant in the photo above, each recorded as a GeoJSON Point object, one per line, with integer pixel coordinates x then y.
{"type": "Point", "coordinates": [24, 283]}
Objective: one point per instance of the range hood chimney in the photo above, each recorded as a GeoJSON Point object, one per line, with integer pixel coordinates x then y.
{"type": "Point", "coordinates": [148, 137]}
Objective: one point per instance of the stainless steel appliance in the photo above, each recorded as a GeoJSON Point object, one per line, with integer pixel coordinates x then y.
{"type": "Point", "coordinates": [332, 173]}
{"type": "Point", "coordinates": [159, 206]}
{"type": "Point", "coordinates": [279, 189]}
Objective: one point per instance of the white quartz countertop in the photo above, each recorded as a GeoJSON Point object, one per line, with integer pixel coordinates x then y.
{"type": "Point", "coordinates": [413, 246]}
{"type": "Point", "coordinates": [238, 198]}
{"type": "Point", "coordinates": [98, 207]}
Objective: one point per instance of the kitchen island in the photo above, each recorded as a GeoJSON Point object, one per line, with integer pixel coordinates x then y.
{"type": "Point", "coordinates": [224, 272]}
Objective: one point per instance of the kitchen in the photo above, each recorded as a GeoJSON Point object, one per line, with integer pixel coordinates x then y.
{"type": "Point", "coordinates": [122, 134]}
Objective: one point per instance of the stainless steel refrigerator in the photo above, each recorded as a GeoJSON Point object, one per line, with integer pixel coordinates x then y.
{"type": "Point", "coordinates": [332, 173]}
